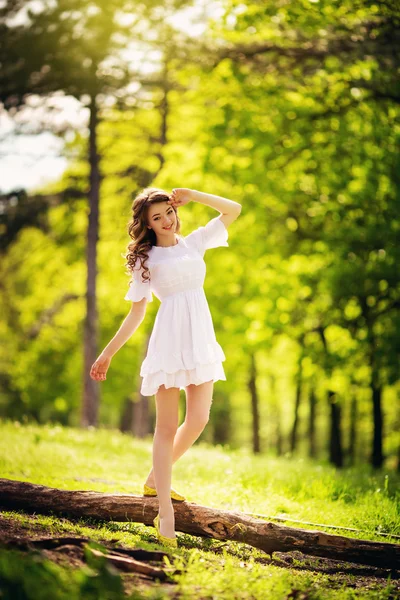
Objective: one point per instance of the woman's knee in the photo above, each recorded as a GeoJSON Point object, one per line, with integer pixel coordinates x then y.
{"type": "Point", "coordinates": [166, 432]}
{"type": "Point", "coordinates": [197, 421]}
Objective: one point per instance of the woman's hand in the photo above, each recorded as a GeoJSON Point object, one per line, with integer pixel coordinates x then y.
{"type": "Point", "coordinates": [180, 197]}
{"type": "Point", "coordinates": [100, 367]}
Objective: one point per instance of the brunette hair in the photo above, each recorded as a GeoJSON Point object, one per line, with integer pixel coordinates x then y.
{"type": "Point", "coordinates": [143, 237]}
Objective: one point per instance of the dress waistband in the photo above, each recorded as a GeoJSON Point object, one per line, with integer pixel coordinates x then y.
{"type": "Point", "coordinates": [186, 291]}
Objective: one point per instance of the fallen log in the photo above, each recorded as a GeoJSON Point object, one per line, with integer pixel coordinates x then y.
{"type": "Point", "coordinates": [132, 566]}
{"type": "Point", "coordinates": [340, 527]}
{"type": "Point", "coordinates": [122, 558]}
{"type": "Point", "coordinates": [198, 520]}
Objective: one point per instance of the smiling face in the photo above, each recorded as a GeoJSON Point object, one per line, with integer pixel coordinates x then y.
{"type": "Point", "coordinates": [162, 219]}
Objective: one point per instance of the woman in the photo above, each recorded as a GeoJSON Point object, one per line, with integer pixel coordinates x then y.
{"type": "Point", "coordinates": [183, 352]}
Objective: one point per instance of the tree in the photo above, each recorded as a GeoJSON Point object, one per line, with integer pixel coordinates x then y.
{"type": "Point", "coordinates": [76, 48]}
{"type": "Point", "coordinates": [309, 98]}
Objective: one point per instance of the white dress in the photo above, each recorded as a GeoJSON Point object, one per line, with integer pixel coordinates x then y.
{"type": "Point", "coordinates": [182, 347]}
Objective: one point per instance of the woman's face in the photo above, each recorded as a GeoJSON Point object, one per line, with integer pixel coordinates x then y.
{"type": "Point", "coordinates": [162, 219]}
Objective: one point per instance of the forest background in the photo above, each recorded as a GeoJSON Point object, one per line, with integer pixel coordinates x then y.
{"type": "Point", "coordinates": [290, 109]}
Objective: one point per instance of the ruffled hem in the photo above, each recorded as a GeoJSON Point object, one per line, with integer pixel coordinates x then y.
{"type": "Point", "coordinates": [172, 362]}
{"type": "Point", "coordinates": [182, 378]}
{"type": "Point", "coordinates": [218, 237]}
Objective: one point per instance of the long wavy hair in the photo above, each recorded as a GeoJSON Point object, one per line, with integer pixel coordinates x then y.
{"type": "Point", "coordinates": [144, 238]}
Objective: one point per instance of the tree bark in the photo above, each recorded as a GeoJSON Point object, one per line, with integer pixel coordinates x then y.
{"type": "Point", "coordinates": [335, 438]}
{"type": "Point", "coordinates": [254, 404]}
{"type": "Point", "coordinates": [293, 437]}
{"type": "Point", "coordinates": [377, 445]}
{"type": "Point", "coordinates": [312, 451]}
{"type": "Point", "coordinates": [140, 424]}
{"type": "Point", "coordinates": [91, 391]}
{"type": "Point", "coordinates": [277, 417]}
{"type": "Point", "coordinates": [164, 113]}
{"type": "Point", "coordinates": [141, 417]}
{"type": "Point", "coordinates": [222, 419]}
{"type": "Point", "coordinates": [351, 451]}
{"type": "Point", "coordinates": [377, 457]}
{"type": "Point", "coordinates": [198, 520]}
{"type": "Point", "coordinates": [398, 459]}
{"type": "Point", "coordinates": [135, 417]}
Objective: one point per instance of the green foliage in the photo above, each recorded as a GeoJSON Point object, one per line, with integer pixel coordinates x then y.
{"type": "Point", "coordinates": [31, 577]}
{"type": "Point", "coordinates": [290, 109]}
{"type": "Point", "coordinates": [108, 461]}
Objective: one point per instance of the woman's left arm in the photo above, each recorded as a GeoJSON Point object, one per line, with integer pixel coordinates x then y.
{"type": "Point", "coordinates": [230, 210]}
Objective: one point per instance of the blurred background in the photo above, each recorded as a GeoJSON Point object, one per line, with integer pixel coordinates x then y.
{"type": "Point", "coordinates": [290, 108]}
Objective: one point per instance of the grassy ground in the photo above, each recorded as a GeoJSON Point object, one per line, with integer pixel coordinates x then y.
{"type": "Point", "coordinates": [109, 461]}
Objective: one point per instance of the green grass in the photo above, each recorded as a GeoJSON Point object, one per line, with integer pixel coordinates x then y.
{"type": "Point", "coordinates": [109, 461]}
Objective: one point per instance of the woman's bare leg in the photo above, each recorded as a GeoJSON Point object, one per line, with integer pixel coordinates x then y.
{"type": "Point", "coordinates": [198, 404]}
{"type": "Point", "coordinates": [167, 415]}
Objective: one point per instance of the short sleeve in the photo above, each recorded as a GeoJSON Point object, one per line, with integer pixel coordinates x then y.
{"type": "Point", "coordinates": [139, 289]}
{"type": "Point", "coordinates": [212, 235]}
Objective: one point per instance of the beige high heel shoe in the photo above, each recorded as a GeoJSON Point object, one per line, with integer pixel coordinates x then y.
{"type": "Point", "coordinates": [172, 542]}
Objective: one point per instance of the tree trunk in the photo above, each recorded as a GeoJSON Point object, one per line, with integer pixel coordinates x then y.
{"type": "Point", "coordinates": [91, 391]}
{"type": "Point", "coordinates": [335, 439]}
{"type": "Point", "coordinates": [221, 419]}
{"type": "Point", "coordinates": [141, 417]}
{"type": "Point", "coordinates": [199, 521]}
{"type": "Point", "coordinates": [254, 404]}
{"type": "Point", "coordinates": [293, 437]}
{"type": "Point", "coordinates": [398, 458]}
{"type": "Point", "coordinates": [277, 419]}
{"type": "Point", "coordinates": [376, 393]}
{"type": "Point", "coordinates": [164, 114]}
{"type": "Point", "coordinates": [312, 452]}
{"type": "Point", "coordinates": [135, 417]}
{"type": "Point", "coordinates": [377, 450]}
{"type": "Point", "coordinates": [125, 421]}
{"type": "Point", "coordinates": [351, 451]}
{"type": "Point", "coordinates": [397, 427]}
{"type": "Point", "coordinates": [140, 424]}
